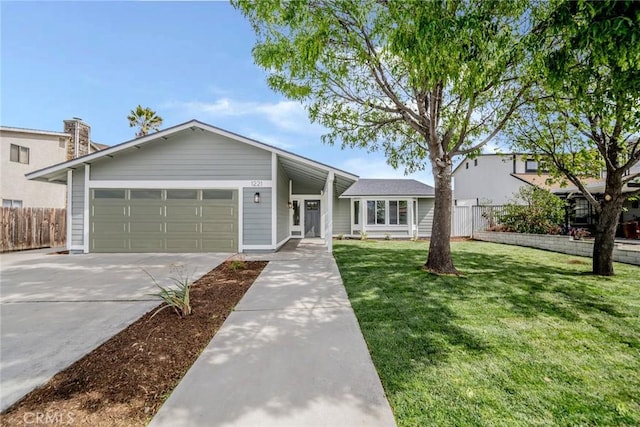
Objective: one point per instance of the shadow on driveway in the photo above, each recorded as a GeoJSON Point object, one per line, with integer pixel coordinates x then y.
{"type": "Point", "coordinates": [54, 309]}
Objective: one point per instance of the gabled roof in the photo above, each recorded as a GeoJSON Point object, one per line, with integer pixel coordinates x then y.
{"type": "Point", "coordinates": [57, 173]}
{"type": "Point", "coordinates": [97, 146]}
{"type": "Point", "coordinates": [389, 187]}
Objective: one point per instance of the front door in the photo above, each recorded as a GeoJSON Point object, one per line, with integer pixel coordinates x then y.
{"type": "Point", "coordinates": [312, 218]}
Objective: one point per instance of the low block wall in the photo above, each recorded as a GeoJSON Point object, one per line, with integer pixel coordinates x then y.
{"type": "Point", "coordinates": [560, 244]}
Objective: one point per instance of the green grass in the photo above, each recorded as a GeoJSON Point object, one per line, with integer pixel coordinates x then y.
{"type": "Point", "coordinates": [526, 337]}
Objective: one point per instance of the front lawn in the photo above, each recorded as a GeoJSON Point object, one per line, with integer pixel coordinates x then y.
{"type": "Point", "coordinates": [526, 337]}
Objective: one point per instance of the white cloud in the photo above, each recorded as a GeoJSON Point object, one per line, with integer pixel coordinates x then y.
{"type": "Point", "coordinates": [276, 141]}
{"type": "Point", "coordinates": [289, 116]}
{"type": "Point", "coordinates": [491, 147]}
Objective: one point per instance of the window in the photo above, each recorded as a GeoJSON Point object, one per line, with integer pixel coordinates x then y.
{"type": "Point", "coordinates": [531, 166]}
{"type": "Point", "coordinates": [217, 194]}
{"type": "Point", "coordinates": [108, 194]}
{"type": "Point", "coordinates": [398, 213]}
{"type": "Point", "coordinates": [296, 212]}
{"type": "Point", "coordinates": [475, 162]}
{"type": "Point", "coordinates": [182, 194]}
{"type": "Point", "coordinates": [380, 211]}
{"type": "Point", "coordinates": [312, 205]}
{"type": "Point", "coordinates": [8, 203]}
{"type": "Point", "coordinates": [356, 212]}
{"type": "Point", "coordinates": [146, 194]}
{"type": "Point", "coordinates": [371, 212]}
{"type": "Point", "coordinates": [466, 166]}
{"type": "Point", "coordinates": [402, 212]}
{"type": "Point", "coordinates": [19, 154]}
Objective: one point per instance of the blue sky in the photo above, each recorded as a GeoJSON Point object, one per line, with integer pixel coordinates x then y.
{"type": "Point", "coordinates": [185, 60]}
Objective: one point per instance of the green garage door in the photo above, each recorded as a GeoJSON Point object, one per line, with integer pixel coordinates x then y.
{"type": "Point", "coordinates": [150, 220]}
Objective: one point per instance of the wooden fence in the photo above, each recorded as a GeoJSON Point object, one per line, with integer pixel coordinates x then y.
{"type": "Point", "coordinates": [32, 228]}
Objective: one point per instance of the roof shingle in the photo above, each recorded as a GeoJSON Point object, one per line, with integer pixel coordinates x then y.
{"type": "Point", "coordinates": [389, 187]}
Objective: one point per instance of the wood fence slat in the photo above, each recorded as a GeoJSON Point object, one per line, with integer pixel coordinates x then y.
{"type": "Point", "coordinates": [32, 228]}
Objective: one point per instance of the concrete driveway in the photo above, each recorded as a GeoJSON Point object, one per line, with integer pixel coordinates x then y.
{"type": "Point", "coordinates": [54, 309]}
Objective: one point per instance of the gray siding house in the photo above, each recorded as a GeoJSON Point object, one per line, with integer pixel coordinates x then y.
{"type": "Point", "coordinates": [198, 188]}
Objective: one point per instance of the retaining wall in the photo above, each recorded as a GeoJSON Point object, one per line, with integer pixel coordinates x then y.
{"type": "Point", "coordinates": [561, 244]}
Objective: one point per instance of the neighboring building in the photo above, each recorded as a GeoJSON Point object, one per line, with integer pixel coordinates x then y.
{"type": "Point", "coordinates": [494, 179]}
{"type": "Point", "coordinates": [491, 179]}
{"type": "Point", "coordinates": [25, 150]}
{"type": "Point", "coordinates": [198, 188]}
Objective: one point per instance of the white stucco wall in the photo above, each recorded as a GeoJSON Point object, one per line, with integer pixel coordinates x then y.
{"type": "Point", "coordinates": [44, 150]}
{"type": "Point", "coordinates": [487, 179]}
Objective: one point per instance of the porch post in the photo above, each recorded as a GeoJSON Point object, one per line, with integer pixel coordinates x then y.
{"type": "Point", "coordinates": [328, 230]}
{"type": "Point", "coordinates": [69, 208]}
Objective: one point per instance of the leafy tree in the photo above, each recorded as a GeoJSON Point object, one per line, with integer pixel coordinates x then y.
{"type": "Point", "coordinates": [145, 119]}
{"type": "Point", "coordinates": [533, 210]}
{"type": "Point", "coordinates": [422, 81]}
{"type": "Point", "coordinates": [586, 116]}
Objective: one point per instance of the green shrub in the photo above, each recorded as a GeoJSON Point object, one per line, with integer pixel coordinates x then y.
{"type": "Point", "coordinates": [177, 298]}
{"type": "Point", "coordinates": [237, 264]}
{"type": "Point", "coordinates": [533, 210]}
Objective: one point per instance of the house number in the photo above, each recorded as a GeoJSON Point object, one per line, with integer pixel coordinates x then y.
{"type": "Point", "coordinates": [256, 183]}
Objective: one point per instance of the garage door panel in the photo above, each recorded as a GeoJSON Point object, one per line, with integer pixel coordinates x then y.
{"type": "Point", "coordinates": [109, 211]}
{"type": "Point", "coordinates": [182, 244]}
{"type": "Point", "coordinates": [146, 243]}
{"type": "Point", "coordinates": [136, 211]}
{"type": "Point", "coordinates": [182, 212]}
{"type": "Point", "coordinates": [138, 222]}
{"type": "Point", "coordinates": [218, 227]}
{"type": "Point", "coordinates": [218, 211]}
{"type": "Point", "coordinates": [103, 244]}
{"type": "Point", "coordinates": [183, 227]}
{"type": "Point", "coordinates": [219, 245]}
{"type": "Point", "coordinates": [109, 227]}
{"type": "Point", "coordinates": [146, 227]}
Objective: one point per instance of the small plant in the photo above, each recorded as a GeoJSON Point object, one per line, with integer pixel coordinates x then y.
{"type": "Point", "coordinates": [237, 264]}
{"type": "Point", "coordinates": [387, 236]}
{"type": "Point", "coordinates": [363, 236]}
{"type": "Point", "coordinates": [533, 210]}
{"type": "Point", "coordinates": [177, 298]}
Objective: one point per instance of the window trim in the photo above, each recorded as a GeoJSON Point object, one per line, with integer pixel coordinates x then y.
{"type": "Point", "coordinates": [529, 169]}
{"type": "Point", "coordinates": [356, 212]}
{"type": "Point", "coordinates": [387, 212]}
{"type": "Point", "coordinates": [12, 203]}
{"type": "Point", "coordinates": [20, 150]}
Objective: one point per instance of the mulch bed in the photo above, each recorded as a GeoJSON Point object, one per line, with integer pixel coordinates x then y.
{"type": "Point", "coordinates": [125, 380]}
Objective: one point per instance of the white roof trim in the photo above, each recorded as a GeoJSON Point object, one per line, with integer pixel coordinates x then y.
{"type": "Point", "coordinates": [389, 197]}
{"type": "Point", "coordinates": [163, 133]}
{"type": "Point", "coordinates": [33, 131]}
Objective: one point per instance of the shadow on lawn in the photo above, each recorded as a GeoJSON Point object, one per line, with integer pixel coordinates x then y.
{"type": "Point", "coordinates": [414, 312]}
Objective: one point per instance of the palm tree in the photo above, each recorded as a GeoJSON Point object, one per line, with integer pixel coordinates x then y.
{"type": "Point", "coordinates": [145, 119]}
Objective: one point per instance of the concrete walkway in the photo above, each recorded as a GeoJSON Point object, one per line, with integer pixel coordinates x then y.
{"type": "Point", "coordinates": [291, 354]}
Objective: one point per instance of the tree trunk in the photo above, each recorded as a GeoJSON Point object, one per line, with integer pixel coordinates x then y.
{"type": "Point", "coordinates": [439, 260]}
{"type": "Point", "coordinates": [606, 228]}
